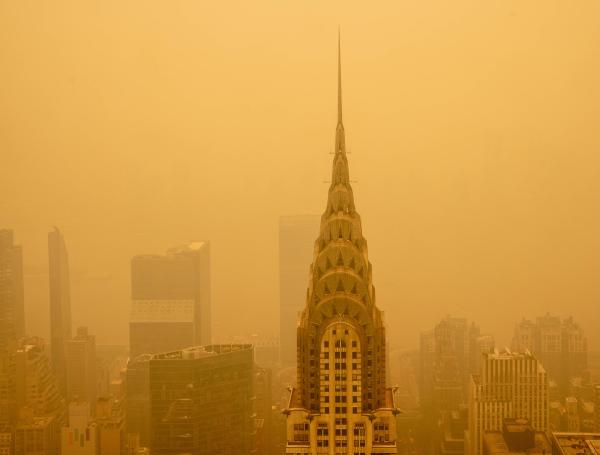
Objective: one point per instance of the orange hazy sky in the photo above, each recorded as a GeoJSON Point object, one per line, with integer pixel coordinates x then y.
{"type": "Point", "coordinates": [474, 128]}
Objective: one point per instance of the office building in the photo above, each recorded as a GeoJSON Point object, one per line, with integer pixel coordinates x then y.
{"type": "Point", "coordinates": [137, 404]}
{"type": "Point", "coordinates": [560, 346]}
{"type": "Point", "coordinates": [566, 443]}
{"type": "Point", "coordinates": [110, 423]}
{"type": "Point", "coordinates": [60, 305]}
{"type": "Point", "coordinates": [516, 437]}
{"type": "Point", "coordinates": [160, 326]}
{"type": "Point", "coordinates": [511, 385]}
{"type": "Point", "coordinates": [80, 437]}
{"type": "Point", "coordinates": [82, 370]}
{"type": "Point", "coordinates": [12, 325]}
{"type": "Point", "coordinates": [183, 274]}
{"type": "Point", "coordinates": [12, 310]}
{"type": "Point", "coordinates": [37, 435]}
{"type": "Point", "coordinates": [201, 401]}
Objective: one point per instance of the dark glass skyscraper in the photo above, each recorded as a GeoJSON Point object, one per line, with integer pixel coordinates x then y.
{"type": "Point", "coordinates": [201, 401]}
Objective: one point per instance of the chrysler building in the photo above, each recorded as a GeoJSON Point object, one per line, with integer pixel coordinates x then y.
{"type": "Point", "coordinates": [341, 404]}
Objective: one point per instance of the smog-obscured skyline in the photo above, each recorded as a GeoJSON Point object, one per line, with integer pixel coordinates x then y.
{"type": "Point", "coordinates": [473, 132]}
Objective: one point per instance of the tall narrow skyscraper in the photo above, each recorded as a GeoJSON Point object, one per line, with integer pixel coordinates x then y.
{"type": "Point", "coordinates": [60, 305]}
{"type": "Point", "coordinates": [12, 322]}
{"type": "Point", "coordinates": [12, 309]}
{"type": "Point", "coordinates": [296, 238]}
{"type": "Point", "coordinates": [341, 404]}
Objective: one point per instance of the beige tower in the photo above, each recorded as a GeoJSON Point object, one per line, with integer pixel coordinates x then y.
{"type": "Point", "coordinates": [341, 404]}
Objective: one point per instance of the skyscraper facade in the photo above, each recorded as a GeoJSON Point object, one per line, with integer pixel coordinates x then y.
{"type": "Point", "coordinates": [60, 305]}
{"type": "Point", "coordinates": [296, 239]}
{"type": "Point", "coordinates": [560, 345]}
{"type": "Point", "coordinates": [201, 401]}
{"type": "Point", "coordinates": [12, 327]}
{"type": "Point", "coordinates": [12, 310]}
{"type": "Point", "coordinates": [137, 405]}
{"type": "Point", "coordinates": [183, 274]}
{"type": "Point", "coordinates": [341, 404]}
{"type": "Point", "coordinates": [511, 385]}
{"type": "Point", "coordinates": [81, 367]}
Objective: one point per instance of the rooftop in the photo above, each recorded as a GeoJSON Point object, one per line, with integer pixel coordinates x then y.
{"type": "Point", "coordinates": [197, 352]}
{"type": "Point", "coordinates": [577, 443]}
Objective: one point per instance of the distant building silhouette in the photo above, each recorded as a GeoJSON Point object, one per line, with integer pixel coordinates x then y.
{"type": "Point", "coordinates": [560, 346]}
{"type": "Point", "coordinates": [201, 401]}
{"type": "Point", "coordinates": [60, 305]}
{"type": "Point", "coordinates": [296, 239]}
{"type": "Point", "coordinates": [182, 275]}
{"type": "Point", "coordinates": [517, 437]}
{"type": "Point", "coordinates": [12, 328]}
{"type": "Point", "coordinates": [12, 310]}
{"type": "Point", "coordinates": [82, 367]}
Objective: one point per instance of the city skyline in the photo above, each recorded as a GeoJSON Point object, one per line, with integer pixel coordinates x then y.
{"type": "Point", "coordinates": [173, 282]}
{"type": "Point", "coordinates": [475, 142]}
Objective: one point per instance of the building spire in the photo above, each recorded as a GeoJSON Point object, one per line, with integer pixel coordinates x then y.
{"type": "Point", "coordinates": [339, 79]}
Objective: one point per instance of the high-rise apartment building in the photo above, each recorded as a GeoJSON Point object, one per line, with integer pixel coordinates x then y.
{"type": "Point", "coordinates": [81, 367]}
{"type": "Point", "coordinates": [511, 385]}
{"type": "Point", "coordinates": [201, 401]}
{"type": "Point", "coordinates": [296, 240]}
{"type": "Point", "coordinates": [183, 274]}
{"type": "Point", "coordinates": [60, 305]}
{"type": "Point", "coordinates": [560, 346]}
{"type": "Point", "coordinates": [341, 404]}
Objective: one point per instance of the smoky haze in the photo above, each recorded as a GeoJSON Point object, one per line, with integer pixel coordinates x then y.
{"type": "Point", "coordinates": [473, 129]}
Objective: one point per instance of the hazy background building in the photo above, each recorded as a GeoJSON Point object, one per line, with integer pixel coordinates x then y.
{"type": "Point", "coordinates": [12, 324]}
{"type": "Point", "coordinates": [183, 274]}
{"type": "Point", "coordinates": [60, 305]}
{"type": "Point", "coordinates": [296, 241]}
{"type": "Point", "coordinates": [82, 369]}
{"type": "Point", "coordinates": [560, 345]}
{"type": "Point", "coordinates": [161, 326]}
{"type": "Point", "coordinates": [12, 313]}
